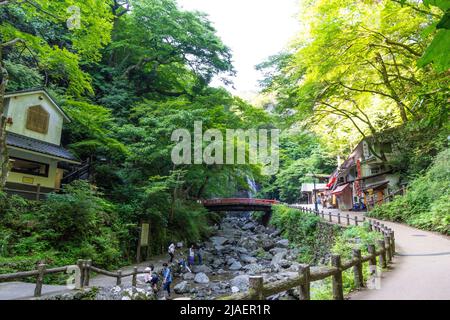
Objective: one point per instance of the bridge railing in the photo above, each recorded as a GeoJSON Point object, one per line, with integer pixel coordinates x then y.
{"type": "Point", "coordinates": [382, 256]}
{"type": "Point", "coordinates": [251, 201]}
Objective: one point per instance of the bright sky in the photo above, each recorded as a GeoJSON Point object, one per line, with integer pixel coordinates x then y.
{"type": "Point", "coordinates": [253, 29]}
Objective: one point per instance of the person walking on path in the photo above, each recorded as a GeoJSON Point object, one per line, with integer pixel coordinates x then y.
{"type": "Point", "coordinates": [167, 278]}
{"type": "Point", "coordinates": [171, 251]}
{"type": "Point", "coordinates": [191, 256]}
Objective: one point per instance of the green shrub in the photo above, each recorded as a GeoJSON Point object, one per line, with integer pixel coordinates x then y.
{"type": "Point", "coordinates": [76, 224]}
{"type": "Point", "coordinates": [305, 231]}
{"type": "Point", "coordinates": [426, 203]}
{"type": "Point", "coordinates": [353, 237]}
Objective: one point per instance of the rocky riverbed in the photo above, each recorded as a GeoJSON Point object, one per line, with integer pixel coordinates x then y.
{"type": "Point", "coordinates": [240, 248]}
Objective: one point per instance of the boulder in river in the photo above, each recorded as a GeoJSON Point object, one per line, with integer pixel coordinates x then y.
{"type": "Point", "coordinates": [241, 281]}
{"type": "Point", "coordinates": [182, 287]}
{"type": "Point", "coordinates": [249, 226]}
{"type": "Point", "coordinates": [201, 278]}
{"type": "Point", "coordinates": [277, 250]}
{"type": "Point", "coordinates": [283, 243]}
{"type": "Point", "coordinates": [285, 263]}
{"type": "Point", "coordinates": [219, 241]}
{"type": "Point", "coordinates": [234, 289]}
{"type": "Point", "coordinates": [254, 268]}
{"type": "Point", "coordinates": [277, 258]}
{"type": "Point", "coordinates": [188, 276]}
{"type": "Point", "coordinates": [236, 266]}
{"type": "Point", "coordinates": [230, 261]}
{"type": "Point", "coordinates": [247, 259]}
{"type": "Point", "coordinates": [201, 268]}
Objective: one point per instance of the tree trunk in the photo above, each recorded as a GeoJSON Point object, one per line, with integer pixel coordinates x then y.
{"type": "Point", "coordinates": [4, 158]}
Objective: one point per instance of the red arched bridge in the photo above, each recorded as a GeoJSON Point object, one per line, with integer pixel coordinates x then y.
{"type": "Point", "coordinates": [241, 204]}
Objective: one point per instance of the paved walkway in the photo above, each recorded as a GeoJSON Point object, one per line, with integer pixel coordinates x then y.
{"type": "Point", "coordinates": [420, 269]}
{"type": "Point", "coordinates": [25, 291]}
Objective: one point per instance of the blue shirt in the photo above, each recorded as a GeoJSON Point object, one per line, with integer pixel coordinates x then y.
{"type": "Point", "coordinates": [167, 275]}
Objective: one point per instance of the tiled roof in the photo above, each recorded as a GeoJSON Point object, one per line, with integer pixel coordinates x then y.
{"type": "Point", "coordinates": [22, 142]}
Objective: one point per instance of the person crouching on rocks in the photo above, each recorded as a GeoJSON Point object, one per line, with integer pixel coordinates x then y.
{"type": "Point", "coordinates": [151, 278]}
{"type": "Point", "coordinates": [167, 278]}
{"type": "Point", "coordinates": [183, 266]}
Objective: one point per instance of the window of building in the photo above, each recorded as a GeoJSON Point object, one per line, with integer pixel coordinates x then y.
{"type": "Point", "coordinates": [37, 119]}
{"type": "Point", "coordinates": [29, 167]}
{"type": "Point", "coordinates": [386, 147]}
{"type": "Point", "coordinates": [375, 170]}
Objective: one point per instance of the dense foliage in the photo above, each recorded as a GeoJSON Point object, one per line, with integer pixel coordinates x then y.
{"type": "Point", "coordinates": [127, 82]}
{"type": "Point", "coordinates": [352, 237]}
{"type": "Point", "coordinates": [360, 69]}
{"type": "Point", "coordinates": [426, 203]}
{"type": "Point", "coordinates": [69, 226]}
{"type": "Point", "coordinates": [305, 231]}
{"type": "Point", "coordinates": [133, 71]}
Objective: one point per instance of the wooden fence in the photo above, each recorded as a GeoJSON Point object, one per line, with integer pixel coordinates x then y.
{"type": "Point", "coordinates": [82, 277]}
{"type": "Point", "coordinates": [260, 291]}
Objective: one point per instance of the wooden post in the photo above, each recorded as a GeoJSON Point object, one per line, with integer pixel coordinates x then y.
{"type": "Point", "coordinates": [373, 259]}
{"type": "Point", "coordinates": [119, 278]}
{"type": "Point", "coordinates": [370, 225]}
{"type": "Point", "coordinates": [392, 242]}
{"type": "Point", "coordinates": [339, 217]}
{"type": "Point", "coordinates": [38, 192]}
{"type": "Point", "coordinates": [348, 219]}
{"type": "Point", "coordinates": [356, 220]}
{"type": "Point", "coordinates": [338, 292]}
{"type": "Point", "coordinates": [382, 254]}
{"type": "Point", "coordinates": [323, 215]}
{"type": "Point", "coordinates": [387, 244]}
{"type": "Point", "coordinates": [138, 249]}
{"type": "Point", "coordinates": [357, 269]}
{"type": "Point", "coordinates": [329, 216]}
{"type": "Point", "coordinates": [149, 247]}
{"type": "Point", "coordinates": [80, 264]}
{"type": "Point", "coordinates": [256, 287]}
{"type": "Point", "coordinates": [134, 281]}
{"type": "Point", "coordinates": [364, 219]}
{"type": "Point", "coordinates": [39, 280]}
{"type": "Point", "coordinates": [87, 272]}
{"type": "Point", "coordinates": [305, 288]}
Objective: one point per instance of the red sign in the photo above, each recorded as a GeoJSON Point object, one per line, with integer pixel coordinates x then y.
{"type": "Point", "coordinates": [357, 183]}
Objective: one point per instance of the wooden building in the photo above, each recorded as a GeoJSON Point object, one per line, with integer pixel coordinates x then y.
{"type": "Point", "coordinates": [34, 127]}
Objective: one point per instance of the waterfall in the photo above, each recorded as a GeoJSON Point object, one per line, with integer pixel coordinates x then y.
{"type": "Point", "coordinates": [253, 187]}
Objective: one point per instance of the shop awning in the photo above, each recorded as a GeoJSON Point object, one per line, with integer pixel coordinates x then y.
{"type": "Point", "coordinates": [376, 185]}
{"type": "Point", "coordinates": [340, 189]}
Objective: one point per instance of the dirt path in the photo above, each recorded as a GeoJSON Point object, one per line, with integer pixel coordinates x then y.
{"type": "Point", "coordinates": [420, 269]}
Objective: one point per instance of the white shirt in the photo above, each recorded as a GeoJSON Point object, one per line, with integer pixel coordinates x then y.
{"type": "Point", "coordinates": [147, 275]}
{"type": "Point", "coordinates": [172, 248]}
